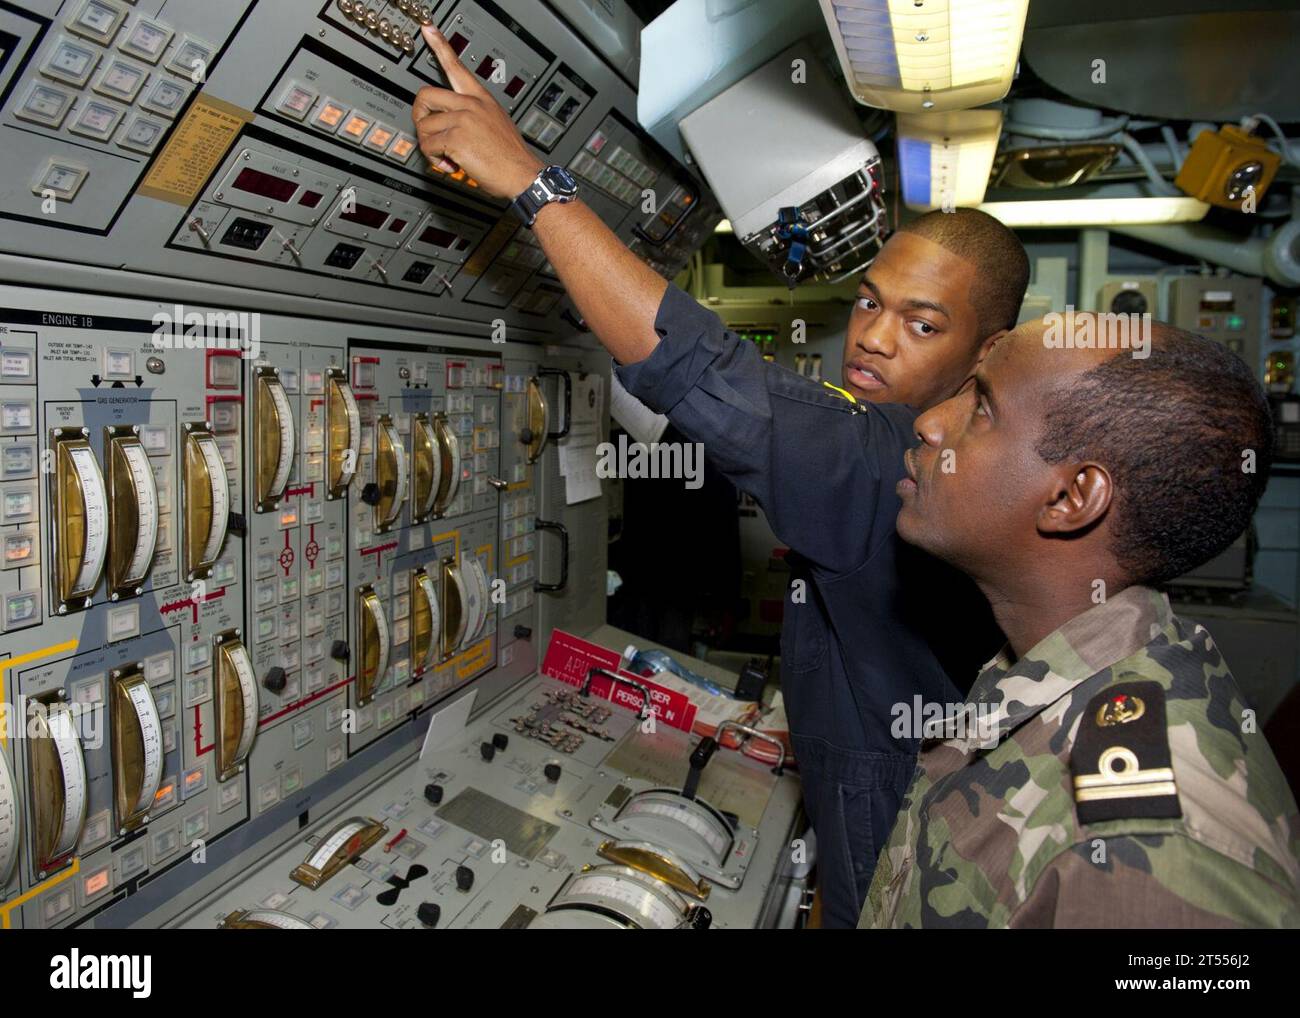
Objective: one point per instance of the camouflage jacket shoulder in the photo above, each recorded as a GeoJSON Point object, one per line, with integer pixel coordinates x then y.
{"type": "Point", "coordinates": [1112, 777]}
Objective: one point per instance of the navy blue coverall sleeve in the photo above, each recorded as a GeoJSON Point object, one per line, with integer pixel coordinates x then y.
{"type": "Point", "coordinates": [822, 466]}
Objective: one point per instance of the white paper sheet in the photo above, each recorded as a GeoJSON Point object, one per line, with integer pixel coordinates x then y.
{"type": "Point", "coordinates": [578, 450]}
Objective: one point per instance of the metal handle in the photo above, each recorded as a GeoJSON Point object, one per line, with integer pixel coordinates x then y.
{"type": "Point", "coordinates": [699, 759]}
{"type": "Point", "coordinates": [563, 531]}
{"type": "Point", "coordinates": [568, 401]}
{"type": "Point", "coordinates": [632, 683]}
{"type": "Point", "coordinates": [754, 733]}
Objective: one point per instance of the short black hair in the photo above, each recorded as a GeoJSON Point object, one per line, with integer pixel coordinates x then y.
{"type": "Point", "coordinates": [1000, 262]}
{"type": "Point", "coordinates": [1175, 430]}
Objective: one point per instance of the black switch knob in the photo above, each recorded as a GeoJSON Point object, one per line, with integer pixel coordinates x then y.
{"type": "Point", "coordinates": [276, 679]}
{"type": "Point", "coordinates": [429, 913]}
{"type": "Point", "coordinates": [464, 878]}
{"type": "Point", "coordinates": [501, 740]}
{"type": "Point", "coordinates": [526, 436]}
{"type": "Point", "coordinates": [339, 650]}
{"type": "Point", "coordinates": [487, 751]}
{"type": "Point", "coordinates": [433, 793]}
{"type": "Point", "coordinates": [523, 633]}
{"type": "Point", "coordinates": [552, 772]}
{"type": "Point", "coordinates": [237, 524]}
{"type": "Point", "coordinates": [701, 918]}
{"type": "Point", "coordinates": [370, 494]}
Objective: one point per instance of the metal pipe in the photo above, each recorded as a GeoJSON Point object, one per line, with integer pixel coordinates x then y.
{"type": "Point", "coordinates": [1134, 148]}
{"type": "Point", "coordinates": [1094, 263]}
{"type": "Point", "coordinates": [1276, 257]}
{"type": "Point", "coordinates": [1093, 132]}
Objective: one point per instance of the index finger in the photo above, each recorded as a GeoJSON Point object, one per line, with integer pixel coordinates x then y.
{"type": "Point", "coordinates": [458, 75]}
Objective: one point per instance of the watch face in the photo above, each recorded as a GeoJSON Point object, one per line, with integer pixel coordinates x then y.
{"type": "Point", "coordinates": [559, 179]}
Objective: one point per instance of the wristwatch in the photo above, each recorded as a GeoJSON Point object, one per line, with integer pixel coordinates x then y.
{"type": "Point", "coordinates": [553, 184]}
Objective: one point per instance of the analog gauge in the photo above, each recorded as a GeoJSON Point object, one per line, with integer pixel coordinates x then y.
{"type": "Point", "coordinates": [343, 423]}
{"type": "Point", "coordinates": [658, 862]}
{"type": "Point", "coordinates": [343, 845]}
{"type": "Point", "coordinates": [10, 829]}
{"type": "Point", "coordinates": [375, 643]}
{"type": "Point", "coordinates": [690, 829]}
{"type": "Point", "coordinates": [449, 445]}
{"type": "Point", "coordinates": [454, 615]}
{"type": "Point", "coordinates": [274, 438]}
{"type": "Point", "coordinates": [137, 747]}
{"type": "Point", "coordinates": [58, 784]}
{"type": "Point", "coordinates": [426, 468]}
{"type": "Point", "coordinates": [476, 598]}
{"type": "Point", "coordinates": [207, 501]}
{"type": "Point", "coordinates": [391, 474]}
{"type": "Point", "coordinates": [633, 899]}
{"type": "Point", "coordinates": [263, 919]}
{"type": "Point", "coordinates": [80, 518]}
{"type": "Point", "coordinates": [538, 420]}
{"type": "Point", "coordinates": [132, 513]}
{"type": "Point", "coordinates": [426, 622]}
{"type": "Point", "coordinates": [236, 705]}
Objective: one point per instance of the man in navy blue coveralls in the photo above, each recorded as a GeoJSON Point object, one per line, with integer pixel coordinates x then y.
{"type": "Point", "coordinates": [871, 623]}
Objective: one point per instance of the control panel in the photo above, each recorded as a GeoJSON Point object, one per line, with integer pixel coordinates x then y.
{"type": "Point", "coordinates": [244, 556]}
{"type": "Point", "coordinates": [549, 812]}
{"type": "Point", "coordinates": [270, 146]}
{"type": "Point", "coordinates": [280, 416]}
{"type": "Point", "coordinates": [1226, 309]}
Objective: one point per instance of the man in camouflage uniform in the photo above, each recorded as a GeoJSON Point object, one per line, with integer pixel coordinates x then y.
{"type": "Point", "coordinates": [1105, 770]}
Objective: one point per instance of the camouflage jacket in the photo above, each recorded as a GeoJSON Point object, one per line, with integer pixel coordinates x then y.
{"type": "Point", "coordinates": [1118, 782]}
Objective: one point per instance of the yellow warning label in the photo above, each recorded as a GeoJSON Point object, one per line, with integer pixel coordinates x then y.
{"type": "Point", "coordinates": [473, 659]}
{"type": "Point", "coordinates": [198, 144]}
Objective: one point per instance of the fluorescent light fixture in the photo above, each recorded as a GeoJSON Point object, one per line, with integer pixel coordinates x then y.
{"type": "Point", "coordinates": [1097, 211]}
{"type": "Point", "coordinates": [913, 56]}
{"type": "Point", "coordinates": [724, 226]}
{"type": "Point", "coordinates": [944, 159]}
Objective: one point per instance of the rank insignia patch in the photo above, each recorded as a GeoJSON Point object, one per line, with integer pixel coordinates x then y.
{"type": "Point", "coordinates": [1121, 760]}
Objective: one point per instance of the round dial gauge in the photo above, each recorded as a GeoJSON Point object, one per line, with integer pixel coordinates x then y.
{"type": "Point", "coordinates": [10, 830]}
{"type": "Point", "coordinates": [634, 898]}
{"type": "Point", "coordinates": [264, 919]}
{"type": "Point", "coordinates": [476, 598]}
{"type": "Point", "coordinates": [133, 514]}
{"type": "Point", "coordinates": [685, 825]}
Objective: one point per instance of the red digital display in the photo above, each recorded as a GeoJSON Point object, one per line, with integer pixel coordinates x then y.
{"type": "Point", "coordinates": [515, 86]}
{"type": "Point", "coordinates": [310, 199]}
{"type": "Point", "coordinates": [397, 226]}
{"type": "Point", "coordinates": [364, 215]}
{"type": "Point", "coordinates": [462, 244]}
{"type": "Point", "coordinates": [484, 69]}
{"type": "Point", "coordinates": [458, 43]}
{"type": "Point", "coordinates": [265, 185]}
{"type": "Point", "coordinates": [437, 237]}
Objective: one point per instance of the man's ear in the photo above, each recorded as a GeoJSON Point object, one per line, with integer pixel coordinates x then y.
{"type": "Point", "coordinates": [988, 345]}
{"type": "Point", "coordinates": [1080, 497]}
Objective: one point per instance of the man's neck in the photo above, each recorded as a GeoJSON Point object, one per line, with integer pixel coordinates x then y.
{"type": "Point", "coordinates": [1030, 608]}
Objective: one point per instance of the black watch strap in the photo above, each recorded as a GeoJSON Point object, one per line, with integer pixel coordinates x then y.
{"type": "Point", "coordinates": [529, 203]}
{"type": "Point", "coordinates": [547, 188]}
